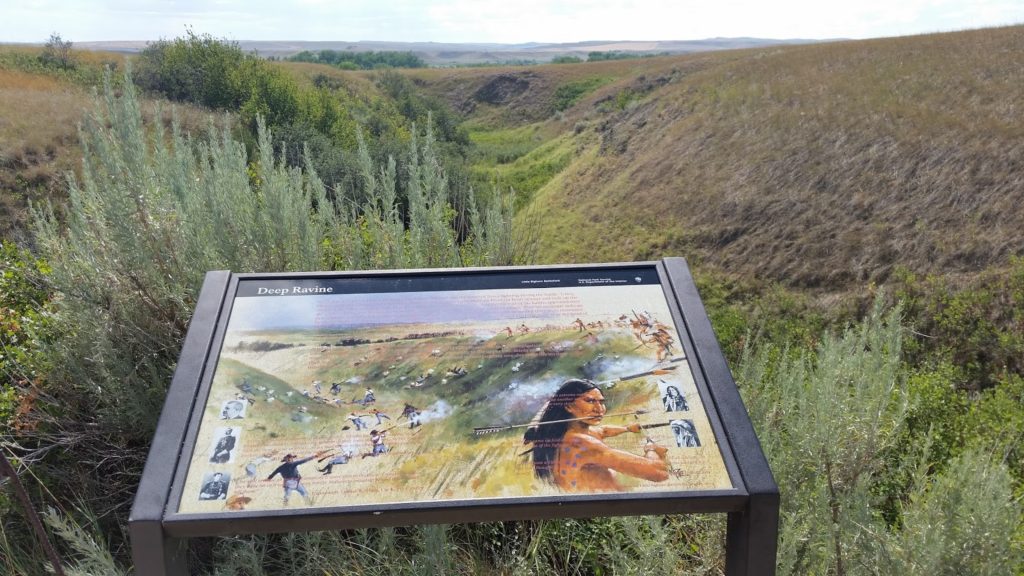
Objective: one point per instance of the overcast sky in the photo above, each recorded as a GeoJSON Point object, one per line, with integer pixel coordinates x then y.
{"type": "Point", "coordinates": [504, 21]}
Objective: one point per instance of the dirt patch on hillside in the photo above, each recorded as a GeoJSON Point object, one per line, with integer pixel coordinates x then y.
{"type": "Point", "coordinates": [503, 88]}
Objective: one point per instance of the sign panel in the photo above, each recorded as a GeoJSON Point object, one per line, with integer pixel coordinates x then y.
{"type": "Point", "coordinates": [346, 391]}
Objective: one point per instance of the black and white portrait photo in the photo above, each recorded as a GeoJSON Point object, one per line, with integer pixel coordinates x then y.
{"type": "Point", "coordinates": [685, 433]}
{"type": "Point", "coordinates": [215, 486]}
{"type": "Point", "coordinates": [232, 410]}
{"type": "Point", "coordinates": [672, 398]}
{"type": "Point", "coordinates": [223, 449]}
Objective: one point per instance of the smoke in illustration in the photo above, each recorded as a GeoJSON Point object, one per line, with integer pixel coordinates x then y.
{"type": "Point", "coordinates": [610, 368]}
{"type": "Point", "coordinates": [437, 411]}
{"type": "Point", "coordinates": [521, 400]}
{"type": "Point", "coordinates": [563, 346]}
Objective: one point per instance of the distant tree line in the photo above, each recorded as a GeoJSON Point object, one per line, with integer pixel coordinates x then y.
{"type": "Point", "coordinates": [262, 346]}
{"type": "Point", "coordinates": [347, 60]}
{"type": "Point", "coordinates": [619, 55]}
{"type": "Point", "coordinates": [601, 56]}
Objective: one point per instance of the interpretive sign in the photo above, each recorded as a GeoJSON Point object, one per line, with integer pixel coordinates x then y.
{"type": "Point", "coordinates": [340, 400]}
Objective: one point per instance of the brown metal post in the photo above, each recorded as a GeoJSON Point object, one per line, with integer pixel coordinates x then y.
{"type": "Point", "coordinates": [6, 469]}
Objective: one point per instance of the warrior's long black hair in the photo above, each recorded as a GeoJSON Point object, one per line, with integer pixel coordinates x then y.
{"type": "Point", "coordinates": [546, 438]}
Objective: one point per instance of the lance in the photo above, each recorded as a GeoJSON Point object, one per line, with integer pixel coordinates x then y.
{"type": "Point", "coordinates": [654, 372]}
{"type": "Point", "coordinates": [642, 427]}
{"type": "Point", "coordinates": [491, 429]}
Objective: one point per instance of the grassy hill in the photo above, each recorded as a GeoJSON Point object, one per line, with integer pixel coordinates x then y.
{"type": "Point", "coordinates": [822, 166]}
{"type": "Point", "coordinates": [819, 166]}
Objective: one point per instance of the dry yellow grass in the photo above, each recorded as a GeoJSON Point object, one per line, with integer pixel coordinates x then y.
{"type": "Point", "coordinates": [39, 117]}
{"type": "Point", "coordinates": [37, 114]}
{"type": "Point", "coordinates": [38, 141]}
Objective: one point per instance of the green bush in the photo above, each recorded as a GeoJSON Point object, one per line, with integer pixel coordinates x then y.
{"type": "Point", "coordinates": [57, 53]}
{"type": "Point", "coordinates": [420, 109]}
{"type": "Point", "coordinates": [996, 422]}
{"type": "Point", "coordinates": [218, 74]}
{"type": "Point", "coordinates": [825, 419]}
{"type": "Point", "coordinates": [958, 523]}
{"type": "Point", "coordinates": [570, 93]}
{"type": "Point", "coordinates": [267, 92]}
{"type": "Point", "coordinates": [198, 69]}
{"type": "Point", "coordinates": [979, 327]}
{"type": "Point", "coordinates": [25, 327]}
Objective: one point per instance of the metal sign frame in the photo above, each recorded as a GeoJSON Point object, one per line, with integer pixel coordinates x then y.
{"type": "Point", "coordinates": [159, 532]}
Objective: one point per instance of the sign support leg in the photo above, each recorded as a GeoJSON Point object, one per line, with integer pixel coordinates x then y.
{"type": "Point", "coordinates": [752, 536]}
{"type": "Point", "coordinates": [154, 553]}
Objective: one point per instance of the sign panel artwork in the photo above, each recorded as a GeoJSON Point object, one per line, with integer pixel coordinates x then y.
{"type": "Point", "coordinates": [339, 392]}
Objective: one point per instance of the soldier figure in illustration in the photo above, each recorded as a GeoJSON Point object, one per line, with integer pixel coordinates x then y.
{"type": "Point", "coordinates": [412, 413]}
{"type": "Point", "coordinates": [380, 415]}
{"type": "Point", "coordinates": [368, 397]}
{"type": "Point", "coordinates": [341, 458]}
{"type": "Point", "coordinates": [357, 420]}
{"type": "Point", "coordinates": [291, 479]}
{"type": "Point", "coordinates": [377, 442]}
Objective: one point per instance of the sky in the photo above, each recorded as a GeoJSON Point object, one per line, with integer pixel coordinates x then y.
{"type": "Point", "coordinates": [498, 21]}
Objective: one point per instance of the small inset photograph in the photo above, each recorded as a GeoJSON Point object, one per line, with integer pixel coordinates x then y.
{"type": "Point", "coordinates": [215, 486]}
{"type": "Point", "coordinates": [233, 410]}
{"type": "Point", "coordinates": [222, 450]}
{"type": "Point", "coordinates": [685, 433]}
{"type": "Point", "coordinates": [672, 397]}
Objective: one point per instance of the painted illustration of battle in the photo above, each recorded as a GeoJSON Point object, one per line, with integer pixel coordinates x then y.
{"type": "Point", "coordinates": [327, 400]}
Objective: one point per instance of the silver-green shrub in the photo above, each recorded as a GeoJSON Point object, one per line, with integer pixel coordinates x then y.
{"type": "Point", "coordinates": [829, 420]}
{"type": "Point", "coordinates": [958, 523]}
{"type": "Point", "coordinates": [152, 210]}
